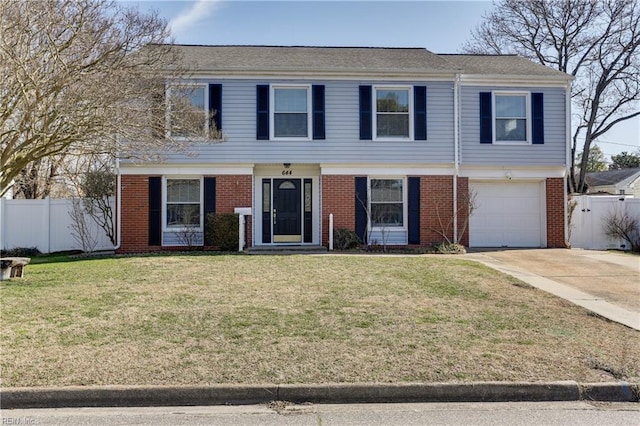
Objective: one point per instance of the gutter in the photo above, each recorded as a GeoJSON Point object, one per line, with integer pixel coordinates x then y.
{"type": "Point", "coordinates": [117, 225]}
{"type": "Point", "coordinates": [567, 168]}
{"type": "Point", "coordinates": [456, 156]}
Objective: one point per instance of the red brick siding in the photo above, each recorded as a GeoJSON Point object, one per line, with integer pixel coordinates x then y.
{"type": "Point", "coordinates": [436, 210]}
{"type": "Point", "coordinates": [463, 219]}
{"type": "Point", "coordinates": [338, 197]}
{"type": "Point", "coordinates": [231, 191]}
{"type": "Point", "coordinates": [235, 191]}
{"type": "Point", "coordinates": [436, 197]}
{"type": "Point", "coordinates": [555, 212]}
{"type": "Point", "coordinates": [134, 227]}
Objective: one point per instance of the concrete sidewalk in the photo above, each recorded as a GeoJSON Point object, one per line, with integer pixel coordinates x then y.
{"type": "Point", "coordinates": [606, 283]}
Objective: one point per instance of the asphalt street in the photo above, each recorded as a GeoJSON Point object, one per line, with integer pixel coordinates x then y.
{"type": "Point", "coordinates": [489, 414]}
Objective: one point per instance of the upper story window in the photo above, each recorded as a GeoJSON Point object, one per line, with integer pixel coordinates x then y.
{"type": "Point", "coordinates": [393, 113]}
{"type": "Point", "coordinates": [188, 111]}
{"type": "Point", "coordinates": [387, 205]}
{"type": "Point", "coordinates": [290, 117]}
{"type": "Point", "coordinates": [183, 203]}
{"type": "Point", "coordinates": [511, 121]}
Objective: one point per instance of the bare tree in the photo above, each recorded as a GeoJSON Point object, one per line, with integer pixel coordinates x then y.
{"type": "Point", "coordinates": [467, 205]}
{"type": "Point", "coordinates": [597, 41]}
{"type": "Point", "coordinates": [80, 226]}
{"type": "Point", "coordinates": [97, 188]}
{"type": "Point", "coordinates": [88, 76]}
{"type": "Point", "coordinates": [625, 225]}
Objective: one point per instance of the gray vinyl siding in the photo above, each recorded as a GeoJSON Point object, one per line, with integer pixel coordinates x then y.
{"type": "Point", "coordinates": [551, 153]}
{"type": "Point", "coordinates": [170, 238]}
{"type": "Point", "coordinates": [389, 238]}
{"type": "Point", "coordinates": [342, 144]}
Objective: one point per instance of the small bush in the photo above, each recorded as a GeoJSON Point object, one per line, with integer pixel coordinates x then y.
{"type": "Point", "coordinates": [221, 231]}
{"type": "Point", "coordinates": [449, 248]}
{"type": "Point", "coordinates": [344, 239]}
{"type": "Point", "coordinates": [21, 252]}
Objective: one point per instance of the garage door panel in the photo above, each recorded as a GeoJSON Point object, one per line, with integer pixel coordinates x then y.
{"type": "Point", "coordinates": [508, 214]}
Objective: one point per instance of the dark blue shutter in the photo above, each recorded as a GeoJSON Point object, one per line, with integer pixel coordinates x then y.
{"type": "Point", "coordinates": [414, 210]}
{"type": "Point", "coordinates": [155, 211]}
{"type": "Point", "coordinates": [262, 112]}
{"type": "Point", "coordinates": [486, 118]}
{"type": "Point", "coordinates": [537, 113]}
{"type": "Point", "coordinates": [361, 207]}
{"type": "Point", "coordinates": [318, 111]}
{"type": "Point", "coordinates": [215, 105]}
{"type": "Point", "coordinates": [366, 112]}
{"type": "Point", "coordinates": [209, 205]}
{"type": "Point", "coordinates": [420, 113]}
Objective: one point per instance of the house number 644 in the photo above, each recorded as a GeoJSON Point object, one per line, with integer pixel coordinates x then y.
{"type": "Point", "coordinates": [287, 172]}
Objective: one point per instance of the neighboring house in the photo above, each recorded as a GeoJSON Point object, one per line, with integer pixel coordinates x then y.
{"type": "Point", "coordinates": [614, 182]}
{"type": "Point", "coordinates": [388, 140]}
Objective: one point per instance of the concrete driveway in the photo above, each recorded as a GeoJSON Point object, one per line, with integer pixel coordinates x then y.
{"type": "Point", "coordinates": [605, 282]}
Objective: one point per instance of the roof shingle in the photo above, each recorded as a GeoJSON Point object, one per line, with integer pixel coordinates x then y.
{"type": "Point", "coordinates": [357, 59]}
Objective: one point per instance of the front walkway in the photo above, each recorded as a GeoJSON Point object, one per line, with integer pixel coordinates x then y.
{"type": "Point", "coordinates": [607, 283]}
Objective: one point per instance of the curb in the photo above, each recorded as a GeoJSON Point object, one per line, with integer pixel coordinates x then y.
{"type": "Point", "coordinates": [146, 396]}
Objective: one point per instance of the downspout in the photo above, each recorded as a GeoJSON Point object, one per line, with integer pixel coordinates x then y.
{"type": "Point", "coordinates": [118, 204]}
{"type": "Point", "coordinates": [456, 141]}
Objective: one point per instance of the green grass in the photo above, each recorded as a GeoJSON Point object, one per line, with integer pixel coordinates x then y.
{"type": "Point", "coordinates": [198, 319]}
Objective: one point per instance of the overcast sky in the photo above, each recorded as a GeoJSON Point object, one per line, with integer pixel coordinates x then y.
{"type": "Point", "coordinates": [439, 26]}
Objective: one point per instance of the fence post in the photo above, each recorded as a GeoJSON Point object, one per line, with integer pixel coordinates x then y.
{"type": "Point", "coordinates": [47, 219]}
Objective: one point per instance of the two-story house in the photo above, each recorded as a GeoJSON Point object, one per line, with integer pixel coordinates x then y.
{"type": "Point", "coordinates": [390, 141]}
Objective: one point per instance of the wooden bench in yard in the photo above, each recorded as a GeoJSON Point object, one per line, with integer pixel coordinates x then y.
{"type": "Point", "coordinates": [13, 267]}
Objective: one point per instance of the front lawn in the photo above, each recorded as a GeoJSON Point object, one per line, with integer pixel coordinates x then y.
{"type": "Point", "coordinates": [205, 319]}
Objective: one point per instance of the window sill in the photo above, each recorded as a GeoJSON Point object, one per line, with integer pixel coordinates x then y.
{"type": "Point", "coordinates": [516, 143]}
{"type": "Point", "coordinates": [291, 139]}
{"type": "Point", "coordinates": [393, 140]}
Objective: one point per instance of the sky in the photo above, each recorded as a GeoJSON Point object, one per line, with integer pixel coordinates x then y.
{"type": "Point", "coordinates": [439, 26]}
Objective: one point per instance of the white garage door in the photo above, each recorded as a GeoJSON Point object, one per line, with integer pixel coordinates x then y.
{"type": "Point", "coordinates": [508, 214]}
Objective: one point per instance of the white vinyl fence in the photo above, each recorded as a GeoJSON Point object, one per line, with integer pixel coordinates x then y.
{"type": "Point", "coordinates": [45, 224]}
{"type": "Point", "coordinates": [589, 216]}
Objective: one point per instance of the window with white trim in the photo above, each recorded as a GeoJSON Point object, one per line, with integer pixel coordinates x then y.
{"type": "Point", "coordinates": [290, 116]}
{"type": "Point", "coordinates": [188, 111]}
{"type": "Point", "coordinates": [393, 118]}
{"type": "Point", "coordinates": [183, 203]}
{"type": "Point", "coordinates": [386, 203]}
{"type": "Point", "coordinates": [512, 123]}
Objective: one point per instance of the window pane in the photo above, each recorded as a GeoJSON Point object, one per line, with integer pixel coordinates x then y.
{"type": "Point", "coordinates": [392, 100]}
{"type": "Point", "coordinates": [195, 95]}
{"type": "Point", "coordinates": [290, 100]}
{"type": "Point", "coordinates": [266, 197]}
{"type": "Point", "coordinates": [187, 111]}
{"type": "Point", "coordinates": [386, 190]}
{"type": "Point", "coordinates": [511, 106]}
{"type": "Point", "coordinates": [287, 125]}
{"type": "Point", "coordinates": [387, 215]}
{"type": "Point", "coordinates": [392, 125]}
{"type": "Point", "coordinates": [183, 215]}
{"type": "Point", "coordinates": [183, 190]}
{"type": "Point", "coordinates": [511, 130]}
